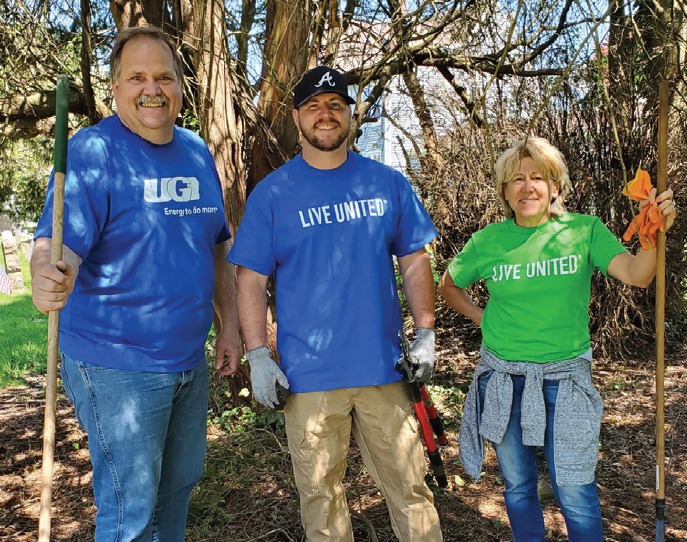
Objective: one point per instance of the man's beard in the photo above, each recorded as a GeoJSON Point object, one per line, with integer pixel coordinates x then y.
{"type": "Point", "coordinates": [322, 145]}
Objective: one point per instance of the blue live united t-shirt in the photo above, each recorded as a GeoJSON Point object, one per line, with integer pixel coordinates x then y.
{"type": "Point", "coordinates": [145, 219]}
{"type": "Point", "coordinates": [328, 236]}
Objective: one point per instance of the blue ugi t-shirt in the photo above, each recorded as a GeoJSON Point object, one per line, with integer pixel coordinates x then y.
{"type": "Point", "coordinates": [329, 237]}
{"type": "Point", "coordinates": [145, 218]}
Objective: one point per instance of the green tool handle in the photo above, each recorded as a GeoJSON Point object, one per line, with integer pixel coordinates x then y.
{"type": "Point", "coordinates": [61, 128]}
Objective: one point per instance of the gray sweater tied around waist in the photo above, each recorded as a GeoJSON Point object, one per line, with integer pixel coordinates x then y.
{"type": "Point", "coordinates": [577, 419]}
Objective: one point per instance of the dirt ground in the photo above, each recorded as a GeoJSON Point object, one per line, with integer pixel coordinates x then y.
{"type": "Point", "coordinates": [469, 512]}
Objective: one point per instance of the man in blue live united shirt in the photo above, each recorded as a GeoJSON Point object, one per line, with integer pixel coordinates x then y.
{"type": "Point", "coordinates": [327, 225]}
{"type": "Point", "coordinates": [144, 259]}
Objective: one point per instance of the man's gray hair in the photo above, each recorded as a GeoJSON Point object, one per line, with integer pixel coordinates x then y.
{"type": "Point", "coordinates": [151, 32]}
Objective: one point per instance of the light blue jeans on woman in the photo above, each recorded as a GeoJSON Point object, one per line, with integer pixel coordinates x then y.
{"type": "Point", "coordinates": [146, 437]}
{"type": "Point", "coordinates": [518, 464]}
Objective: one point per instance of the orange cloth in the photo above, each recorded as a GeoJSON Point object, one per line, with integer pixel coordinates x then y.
{"type": "Point", "coordinates": [649, 221]}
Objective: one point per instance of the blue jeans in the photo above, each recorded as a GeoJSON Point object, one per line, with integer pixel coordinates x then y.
{"type": "Point", "coordinates": [146, 437]}
{"type": "Point", "coordinates": [518, 464]}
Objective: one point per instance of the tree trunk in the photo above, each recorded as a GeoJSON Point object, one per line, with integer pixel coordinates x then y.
{"type": "Point", "coordinates": [621, 80]}
{"type": "Point", "coordinates": [127, 13]}
{"type": "Point", "coordinates": [86, 59]}
{"type": "Point", "coordinates": [285, 61]}
{"type": "Point", "coordinates": [660, 23]}
{"type": "Point", "coordinates": [221, 124]}
{"type": "Point", "coordinates": [247, 20]}
{"type": "Point", "coordinates": [433, 162]}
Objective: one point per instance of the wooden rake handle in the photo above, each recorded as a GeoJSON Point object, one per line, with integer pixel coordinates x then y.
{"type": "Point", "coordinates": [61, 131]}
{"type": "Point", "coordinates": [661, 185]}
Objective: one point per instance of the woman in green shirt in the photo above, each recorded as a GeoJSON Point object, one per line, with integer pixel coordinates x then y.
{"type": "Point", "coordinates": [532, 387]}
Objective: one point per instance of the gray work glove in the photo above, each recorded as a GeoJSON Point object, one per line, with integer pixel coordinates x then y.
{"type": "Point", "coordinates": [422, 355]}
{"type": "Point", "coordinates": [265, 374]}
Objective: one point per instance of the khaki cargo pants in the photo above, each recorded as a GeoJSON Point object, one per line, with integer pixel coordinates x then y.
{"type": "Point", "coordinates": [318, 426]}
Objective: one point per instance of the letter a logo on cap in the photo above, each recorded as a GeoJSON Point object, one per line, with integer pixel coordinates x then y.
{"type": "Point", "coordinates": [326, 78]}
{"type": "Point", "coordinates": [320, 80]}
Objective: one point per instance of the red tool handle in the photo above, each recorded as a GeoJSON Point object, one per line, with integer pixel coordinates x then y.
{"type": "Point", "coordinates": [434, 419]}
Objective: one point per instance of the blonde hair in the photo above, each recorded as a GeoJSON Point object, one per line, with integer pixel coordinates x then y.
{"type": "Point", "coordinates": [547, 157]}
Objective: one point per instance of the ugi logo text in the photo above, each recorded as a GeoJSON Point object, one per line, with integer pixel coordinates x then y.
{"type": "Point", "coordinates": [171, 188]}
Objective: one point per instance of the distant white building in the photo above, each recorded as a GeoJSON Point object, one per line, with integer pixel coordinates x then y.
{"type": "Point", "coordinates": [397, 127]}
{"type": "Point", "coordinates": [396, 122]}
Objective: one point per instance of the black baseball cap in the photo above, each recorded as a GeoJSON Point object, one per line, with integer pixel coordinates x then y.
{"type": "Point", "coordinates": [318, 81]}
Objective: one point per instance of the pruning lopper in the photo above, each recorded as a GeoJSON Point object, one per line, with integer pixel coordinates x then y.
{"type": "Point", "coordinates": [425, 412]}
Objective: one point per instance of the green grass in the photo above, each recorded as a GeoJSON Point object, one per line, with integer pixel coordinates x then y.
{"type": "Point", "coordinates": [23, 334]}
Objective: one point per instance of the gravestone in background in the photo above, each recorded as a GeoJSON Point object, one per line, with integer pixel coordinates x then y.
{"type": "Point", "coordinates": [5, 223]}
{"type": "Point", "coordinates": [12, 265]}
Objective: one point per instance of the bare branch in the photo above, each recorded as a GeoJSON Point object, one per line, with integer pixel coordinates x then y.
{"type": "Point", "coordinates": [470, 105]}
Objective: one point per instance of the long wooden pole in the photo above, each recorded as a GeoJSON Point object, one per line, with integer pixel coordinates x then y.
{"type": "Point", "coordinates": [62, 108]}
{"type": "Point", "coordinates": [661, 185]}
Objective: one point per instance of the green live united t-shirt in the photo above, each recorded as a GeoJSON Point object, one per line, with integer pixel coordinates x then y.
{"type": "Point", "coordinates": [539, 284]}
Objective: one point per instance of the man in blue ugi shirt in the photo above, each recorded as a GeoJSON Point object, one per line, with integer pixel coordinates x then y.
{"type": "Point", "coordinates": [327, 225]}
{"type": "Point", "coordinates": [144, 258]}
